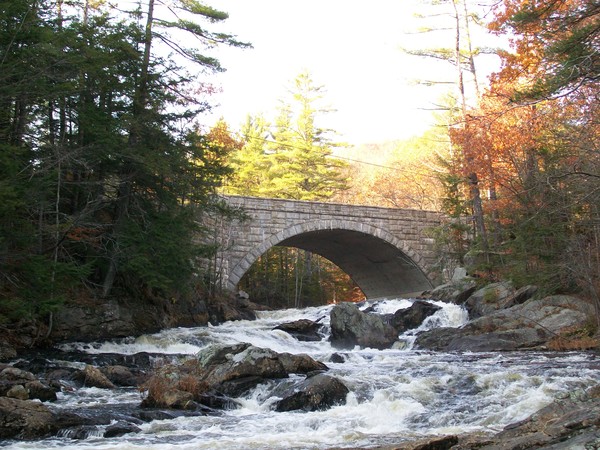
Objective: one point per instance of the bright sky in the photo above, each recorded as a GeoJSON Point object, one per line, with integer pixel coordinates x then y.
{"type": "Point", "coordinates": [351, 47]}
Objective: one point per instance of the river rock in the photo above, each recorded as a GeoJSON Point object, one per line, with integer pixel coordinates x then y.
{"type": "Point", "coordinates": [121, 428]}
{"type": "Point", "coordinates": [233, 370]}
{"type": "Point", "coordinates": [238, 361]}
{"type": "Point", "coordinates": [25, 419]}
{"type": "Point", "coordinates": [18, 391]}
{"type": "Point", "coordinates": [122, 376]}
{"type": "Point", "coordinates": [318, 392]}
{"type": "Point", "coordinates": [41, 391]}
{"type": "Point", "coordinates": [7, 352]}
{"type": "Point", "coordinates": [221, 372]}
{"type": "Point", "coordinates": [351, 327]}
{"type": "Point", "coordinates": [178, 399]}
{"type": "Point", "coordinates": [92, 377]}
{"type": "Point", "coordinates": [529, 325]}
{"type": "Point", "coordinates": [16, 375]}
{"type": "Point", "coordinates": [490, 298]}
{"type": "Point", "coordinates": [302, 329]}
{"type": "Point", "coordinates": [454, 292]}
{"type": "Point", "coordinates": [410, 318]}
{"type": "Point", "coordinates": [300, 363]}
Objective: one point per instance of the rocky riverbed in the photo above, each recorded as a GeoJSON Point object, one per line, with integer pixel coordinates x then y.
{"type": "Point", "coordinates": [164, 386]}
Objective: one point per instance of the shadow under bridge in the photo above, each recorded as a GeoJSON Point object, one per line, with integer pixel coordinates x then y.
{"type": "Point", "coordinates": [380, 269]}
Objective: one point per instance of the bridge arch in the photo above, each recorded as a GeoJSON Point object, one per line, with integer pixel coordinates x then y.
{"type": "Point", "coordinates": [381, 264]}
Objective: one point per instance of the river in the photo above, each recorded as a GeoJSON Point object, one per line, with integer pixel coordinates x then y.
{"type": "Point", "coordinates": [395, 394]}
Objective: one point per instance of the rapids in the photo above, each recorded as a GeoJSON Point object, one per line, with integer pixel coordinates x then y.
{"type": "Point", "coordinates": [395, 394]}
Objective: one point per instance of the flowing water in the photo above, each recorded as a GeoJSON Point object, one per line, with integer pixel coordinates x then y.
{"type": "Point", "coordinates": [395, 394]}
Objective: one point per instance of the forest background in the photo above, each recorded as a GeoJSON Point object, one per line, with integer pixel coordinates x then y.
{"type": "Point", "coordinates": [105, 162]}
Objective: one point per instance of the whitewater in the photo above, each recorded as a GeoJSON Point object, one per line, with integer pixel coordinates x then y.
{"type": "Point", "coordinates": [398, 394]}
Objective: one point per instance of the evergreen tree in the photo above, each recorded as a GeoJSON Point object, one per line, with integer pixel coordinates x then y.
{"type": "Point", "coordinates": [250, 163]}
{"type": "Point", "coordinates": [302, 166]}
{"type": "Point", "coordinates": [99, 179]}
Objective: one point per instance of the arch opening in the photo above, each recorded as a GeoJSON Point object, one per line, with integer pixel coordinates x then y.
{"type": "Point", "coordinates": [289, 277]}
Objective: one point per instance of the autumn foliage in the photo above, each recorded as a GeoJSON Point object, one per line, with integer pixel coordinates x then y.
{"type": "Point", "coordinates": [533, 141]}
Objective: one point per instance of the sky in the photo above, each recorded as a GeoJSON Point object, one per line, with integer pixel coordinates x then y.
{"type": "Point", "coordinates": [351, 48]}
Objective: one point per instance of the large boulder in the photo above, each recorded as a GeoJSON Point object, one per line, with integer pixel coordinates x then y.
{"type": "Point", "coordinates": [25, 419]}
{"type": "Point", "coordinates": [302, 329]}
{"type": "Point", "coordinates": [318, 392]}
{"type": "Point", "coordinates": [239, 362]}
{"type": "Point", "coordinates": [529, 325]}
{"type": "Point", "coordinates": [410, 318]}
{"type": "Point", "coordinates": [222, 372]}
{"type": "Point", "coordinates": [490, 298]}
{"type": "Point", "coordinates": [350, 327]}
{"type": "Point", "coordinates": [457, 291]}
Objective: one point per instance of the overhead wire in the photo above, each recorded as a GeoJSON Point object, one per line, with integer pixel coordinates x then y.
{"type": "Point", "coordinates": [398, 169]}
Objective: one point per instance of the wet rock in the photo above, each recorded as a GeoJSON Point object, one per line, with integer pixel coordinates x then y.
{"type": "Point", "coordinates": [7, 352]}
{"type": "Point", "coordinates": [80, 432]}
{"type": "Point", "coordinates": [233, 388]}
{"type": "Point", "coordinates": [177, 399]}
{"type": "Point", "coordinates": [25, 419]}
{"type": "Point", "coordinates": [529, 325]}
{"type": "Point", "coordinates": [153, 414]}
{"type": "Point", "coordinates": [222, 372]}
{"type": "Point", "coordinates": [455, 292]}
{"type": "Point", "coordinates": [41, 391]}
{"type": "Point", "coordinates": [412, 317]}
{"type": "Point", "coordinates": [318, 392]}
{"type": "Point", "coordinates": [92, 377]}
{"type": "Point", "coordinates": [300, 363]}
{"type": "Point", "coordinates": [17, 375]}
{"type": "Point", "coordinates": [23, 385]}
{"type": "Point", "coordinates": [437, 339]}
{"type": "Point", "coordinates": [302, 329]}
{"type": "Point", "coordinates": [337, 358]}
{"type": "Point", "coordinates": [122, 376]}
{"type": "Point", "coordinates": [239, 362]}
{"type": "Point", "coordinates": [351, 327]}
{"type": "Point", "coordinates": [18, 391]}
{"type": "Point", "coordinates": [121, 428]}
{"type": "Point", "coordinates": [434, 443]}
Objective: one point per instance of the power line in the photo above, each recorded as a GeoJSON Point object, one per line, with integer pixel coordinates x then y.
{"type": "Point", "coordinates": [398, 169]}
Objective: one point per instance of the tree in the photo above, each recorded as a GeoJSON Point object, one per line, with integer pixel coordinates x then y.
{"type": "Point", "coordinates": [250, 163]}
{"type": "Point", "coordinates": [100, 180]}
{"type": "Point", "coordinates": [462, 58]}
{"type": "Point", "coordinates": [533, 138]}
{"type": "Point", "coordinates": [555, 42]}
{"type": "Point", "coordinates": [301, 164]}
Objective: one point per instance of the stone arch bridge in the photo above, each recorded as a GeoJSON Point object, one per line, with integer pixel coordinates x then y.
{"type": "Point", "coordinates": [385, 251]}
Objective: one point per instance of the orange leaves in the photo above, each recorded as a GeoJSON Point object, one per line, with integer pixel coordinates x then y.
{"type": "Point", "coordinates": [221, 135]}
{"type": "Point", "coordinates": [89, 235]}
